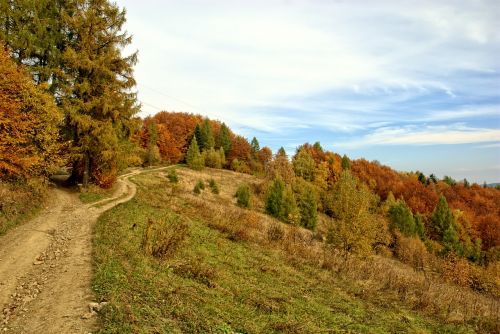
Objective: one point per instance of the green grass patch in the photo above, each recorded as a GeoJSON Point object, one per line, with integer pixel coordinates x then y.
{"type": "Point", "coordinates": [212, 284]}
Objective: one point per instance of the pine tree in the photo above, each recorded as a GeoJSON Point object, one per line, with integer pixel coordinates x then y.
{"type": "Point", "coordinates": [198, 134]}
{"type": "Point", "coordinates": [274, 198]}
{"type": "Point", "coordinates": [75, 47]}
{"type": "Point", "coordinates": [193, 156]}
{"type": "Point", "coordinates": [207, 136]}
{"type": "Point", "coordinates": [402, 219]}
{"type": "Point", "coordinates": [281, 152]}
{"type": "Point", "coordinates": [345, 163]}
{"type": "Point", "coordinates": [442, 217]}
{"type": "Point", "coordinates": [289, 212]}
{"type": "Point", "coordinates": [255, 146]}
{"type": "Point", "coordinates": [225, 139]}
{"type": "Point", "coordinates": [307, 201]}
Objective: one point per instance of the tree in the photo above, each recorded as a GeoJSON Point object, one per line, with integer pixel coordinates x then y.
{"type": "Point", "coordinates": [212, 158]}
{"type": "Point", "coordinates": [401, 218]}
{"type": "Point", "coordinates": [345, 163]}
{"type": "Point", "coordinates": [225, 139]}
{"type": "Point", "coordinates": [29, 120]}
{"type": "Point", "coordinates": [421, 178]}
{"type": "Point", "coordinates": [255, 146]}
{"type": "Point", "coordinates": [304, 165]}
{"type": "Point", "coordinates": [353, 230]}
{"type": "Point", "coordinates": [200, 138]}
{"type": "Point", "coordinates": [281, 152]}
{"type": "Point", "coordinates": [289, 211]}
{"type": "Point", "coordinates": [274, 198]}
{"type": "Point", "coordinates": [442, 217]}
{"type": "Point", "coordinates": [194, 158]}
{"type": "Point", "coordinates": [152, 151]}
{"type": "Point", "coordinates": [75, 46]}
{"type": "Point", "coordinates": [307, 201]}
{"type": "Point", "coordinates": [243, 196]}
{"type": "Point", "coordinates": [207, 135]}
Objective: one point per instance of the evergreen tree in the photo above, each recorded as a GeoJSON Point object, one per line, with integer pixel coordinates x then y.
{"type": "Point", "coordinates": [222, 156]}
{"type": "Point", "coordinates": [307, 201]}
{"type": "Point", "coordinates": [75, 47]}
{"type": "Point", "coordinates": [451, 241]}
{"type": "Point", "coordinates": [289, 212]}
{"type": "Point", "coordinates": [420, 226]}
{"type": "Point", "coordinates": [255, 146]}
{"type": "Point", "coordinates": [225, 139]}
{"type": "Point", "coordinates": [421, 178]}
{"type": "Point", "coordinates": [442, 217]}
{"type": "Point", "coordinates": [194, 158]}
{"type": "Point", "coordinates": [433, 178]}
{"type": "Point", "coordinates": [466, 183]}
{"type": "Point", "coordinates": [153, 153]}
{"type": "Point", "coordinates": [200, 138]}
{"type": "Point", "coordinates": [317, 146]}
{"type": "Point", "coordinates": [207, 135]}
{"type": "Point", "coordinates": [274, 198]}
{"type": "Point", "coordinates": [345, 163]}
{"type": "Point", "coordinates": [243, 196]}
{"type": "Point", "coordinates": [281, 152]}
{"type": "Point", "coordinates": [401, 218]}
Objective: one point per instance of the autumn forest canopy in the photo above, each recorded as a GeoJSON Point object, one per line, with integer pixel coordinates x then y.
{"type": "Point", "coordinates": [67, 100]}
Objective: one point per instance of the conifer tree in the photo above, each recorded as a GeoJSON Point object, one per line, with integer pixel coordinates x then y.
{"type": "Point", "coordinates": [345, 163]}
{"type": "Point", "coordinates": [442, 217]}
{"type": "Point", "coordinates": [194, 158]}
{"type": "Point", "coordinates": [200, 139]}
{"type": "Point", "coordinates": [402, 219]}
{"type": "Point", "coordinates": [225, 139]}
{"type": "Point", "coordinates": [255, 146]}
{"type": "Point", "coordinates": [307, 201]}
{"type": "Point", "coordinates": [274, 198]}
{"type": "Point", "coordinates": [207, 135]}
{"type": "Point", "coordinates": [289, 212]}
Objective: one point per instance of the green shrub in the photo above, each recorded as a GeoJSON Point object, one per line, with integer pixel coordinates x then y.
{"type": "Point", "coordinates": [172, 176]}
{"type": "Point", "coordinates": [200, 185]}
{"type": "Point", "coordinates": [243, 196]}
{"type": "Point", "coordinates": [213, 186]}
{"type": "Point", "coordinates": [163, 238]}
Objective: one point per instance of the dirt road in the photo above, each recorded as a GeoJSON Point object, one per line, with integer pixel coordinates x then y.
{"type": "Point", "coordinates": [46, 268]}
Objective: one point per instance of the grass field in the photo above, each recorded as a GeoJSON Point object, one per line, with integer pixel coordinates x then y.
{"type": "Point", "coordinates": [225, 278]}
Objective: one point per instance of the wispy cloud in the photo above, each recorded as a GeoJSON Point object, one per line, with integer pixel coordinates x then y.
{"type": "Point", "coordinates": [427, 135]}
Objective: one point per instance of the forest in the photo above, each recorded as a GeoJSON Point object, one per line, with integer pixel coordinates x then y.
{"type": "Point", "coordinates": [67, 102]}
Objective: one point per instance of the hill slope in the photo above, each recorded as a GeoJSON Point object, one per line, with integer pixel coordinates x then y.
{"type": "Point", "coordinates": [238, 270]}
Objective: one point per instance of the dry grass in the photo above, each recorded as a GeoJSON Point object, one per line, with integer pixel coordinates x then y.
{"type": "Point", "coordinates": [377, 278]}
{"type": "Point", "coordinates": [19, 202]}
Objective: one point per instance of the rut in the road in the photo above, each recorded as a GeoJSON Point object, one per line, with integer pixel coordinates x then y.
{"type": "Point", "coordinates": [46, 269]}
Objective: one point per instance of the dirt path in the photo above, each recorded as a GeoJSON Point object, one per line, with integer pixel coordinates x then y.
{"type": "Point", "coordinates": [46, 268]}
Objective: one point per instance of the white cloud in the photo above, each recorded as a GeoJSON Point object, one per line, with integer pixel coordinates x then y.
{"type": "Point", "coordinates": [425, 135]}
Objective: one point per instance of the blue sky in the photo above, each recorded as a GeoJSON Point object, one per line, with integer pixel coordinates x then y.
{"type": "Point", "coordinates": [412, 84]}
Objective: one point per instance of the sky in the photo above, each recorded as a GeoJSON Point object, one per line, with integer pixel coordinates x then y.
{"type": "Point", "coordinates": [412, 84]}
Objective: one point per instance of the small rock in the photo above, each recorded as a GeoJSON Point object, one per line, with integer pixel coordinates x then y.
{"type": "Point", "coordinates": [88, 315]}
{"type": "Point", "coordinates": [96, 307]}
{"type": "Point", "coordinates": [38, 262]}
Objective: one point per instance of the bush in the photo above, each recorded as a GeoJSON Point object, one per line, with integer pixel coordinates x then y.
{"type": "Point", "coordinates": [172, 176]}
{"type": "Point", "coordinates": [163, 238]}
{"type": "Point", "coordinates": [412, 251]}
{"type": "Point", "coordinates": [213, 186]}
{"type": "Point", "coordinates": [275, 232]}
{"type": "Point", "coordinates": [243, 196]}
{"type": "Point", "coordinates": [199, 187]}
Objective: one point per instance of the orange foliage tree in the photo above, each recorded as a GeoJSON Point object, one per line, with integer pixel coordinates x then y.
{"type": "Point", "coordinates": [29, 121]}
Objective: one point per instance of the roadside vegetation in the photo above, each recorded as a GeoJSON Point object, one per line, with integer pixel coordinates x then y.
{"type": "Point", "coordinates": [226, 269]}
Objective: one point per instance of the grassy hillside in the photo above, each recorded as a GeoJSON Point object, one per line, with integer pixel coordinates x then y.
{"type": "Point", "coordinates": [230, 270]}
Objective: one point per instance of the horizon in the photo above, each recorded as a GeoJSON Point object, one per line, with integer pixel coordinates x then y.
{"type": "Point", "coordinates": [415, 86]}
